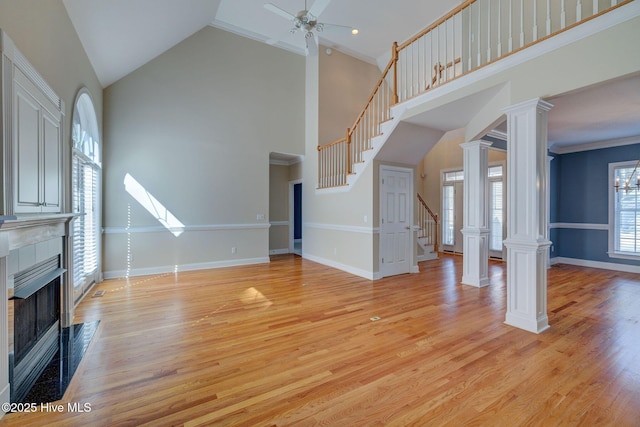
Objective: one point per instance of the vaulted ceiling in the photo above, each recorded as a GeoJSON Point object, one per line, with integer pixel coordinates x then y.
{"type": "Point", "coordinates": [122, 35]}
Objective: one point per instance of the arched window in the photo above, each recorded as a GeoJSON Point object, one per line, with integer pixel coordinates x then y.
{"type": "Point", "coordinates": [86, 168]}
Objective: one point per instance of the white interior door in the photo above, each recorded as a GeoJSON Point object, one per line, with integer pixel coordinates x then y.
{"type": "Point", "coordinates": [396, 206]}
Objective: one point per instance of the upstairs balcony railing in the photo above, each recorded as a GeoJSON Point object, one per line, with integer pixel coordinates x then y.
{"type": "Point", "coordinates": [474, 34]}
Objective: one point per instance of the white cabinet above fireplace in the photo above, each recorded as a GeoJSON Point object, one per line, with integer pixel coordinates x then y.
{"type": "Point", "coordinates": [32, 135]}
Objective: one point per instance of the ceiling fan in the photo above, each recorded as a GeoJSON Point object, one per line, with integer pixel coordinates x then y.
{"type": "Point", "coordinates": [306, 21]}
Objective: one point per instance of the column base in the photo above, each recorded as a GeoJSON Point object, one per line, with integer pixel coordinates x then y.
{"type": "Point", "coordinates": [527, 284]}
{"type": "Point", "coordinates": [536, 326]}
{"type": "Point", "coordinates": [475, 260]}
{"type": "Point", "coordinates": [478, 282]}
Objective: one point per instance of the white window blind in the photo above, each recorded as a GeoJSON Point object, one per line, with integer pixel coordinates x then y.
{"type": "Point", "coordinates": [86, 195]}
{"type": "Point", "coordinates": [626, 213]}
{"type": "Point", "coordinates": [85, 227]}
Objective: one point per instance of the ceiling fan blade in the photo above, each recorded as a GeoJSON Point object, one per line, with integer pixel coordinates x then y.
{"type": "Point", "coordinates": [281, 12]}
{"type": "Point", "coordinates": [318, 7]}
{"type": "Point", "coordinates": [335, 27]}
{"type": "Point", "coordinates": [312, 45]}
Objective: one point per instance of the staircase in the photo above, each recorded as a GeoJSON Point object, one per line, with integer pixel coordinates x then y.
{"type": "Point", "coordinates": [428, 231]}
{"type": "Point", "coordinates": [471, 36]}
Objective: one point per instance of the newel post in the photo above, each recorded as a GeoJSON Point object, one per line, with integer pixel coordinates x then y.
{"type": "Point", "coordinates": [394, 57]}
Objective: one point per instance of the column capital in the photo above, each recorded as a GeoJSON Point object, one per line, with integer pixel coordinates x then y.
{"type": "Point", "coordinates": [472, 144]}
{"type": "Point", "coordinates": [524, 244]}
{"type": "Point", "coordinates": [537, 103]}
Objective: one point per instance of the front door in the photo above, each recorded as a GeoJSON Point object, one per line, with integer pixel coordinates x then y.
{"type": "Point", "coordinates": [396, 208]}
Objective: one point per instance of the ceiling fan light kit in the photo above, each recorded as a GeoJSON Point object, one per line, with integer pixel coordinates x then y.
{"type": "Point", "coordinates": [306, 21]}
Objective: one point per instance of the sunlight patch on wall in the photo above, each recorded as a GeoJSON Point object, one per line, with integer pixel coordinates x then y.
{"type": "Point", "coordinates": [153, 206]}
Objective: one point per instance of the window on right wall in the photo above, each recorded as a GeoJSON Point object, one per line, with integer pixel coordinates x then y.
{"type": "Point", "coordinates": [624, 211]}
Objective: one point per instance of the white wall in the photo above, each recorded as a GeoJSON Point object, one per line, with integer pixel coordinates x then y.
{"type": "Point", "coordinates": [334, 229]}
{"type": "Point", "coordinates": [195, 127]}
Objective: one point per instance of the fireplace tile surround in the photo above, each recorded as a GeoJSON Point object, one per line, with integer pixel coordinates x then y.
{"type": "Point", "coordinates": [24, 242]}
{"type": "Point", "coordinates": [56, 377]}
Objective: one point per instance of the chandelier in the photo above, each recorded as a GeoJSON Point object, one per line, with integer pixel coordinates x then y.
{"type": "Point", "coordinates": [627, 186]}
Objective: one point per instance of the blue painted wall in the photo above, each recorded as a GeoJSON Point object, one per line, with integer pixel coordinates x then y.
{"type": "Point", "coordinates": [579, 193]}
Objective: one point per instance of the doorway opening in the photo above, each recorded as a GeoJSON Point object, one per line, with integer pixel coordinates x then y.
{"type": "Point", "coordinates": [295, 217]}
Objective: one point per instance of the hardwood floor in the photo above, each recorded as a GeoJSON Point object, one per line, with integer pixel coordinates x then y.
{"type": "Point", "coordinates": [293, 343]}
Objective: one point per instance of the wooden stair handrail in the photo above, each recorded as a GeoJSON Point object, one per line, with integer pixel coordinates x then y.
{"type": "Point", "coordinates": [363, 111]}
{"type": "Point", "coordinates": [423, 203]}
{"type": "Point", "coordinates": [439, 68]}
{"type": "Point", "coordinates": [373, 94]}
{"type": "Point", "coordinates": [329, 144]}
{"type": "Point", "coordinates": [435, 24]}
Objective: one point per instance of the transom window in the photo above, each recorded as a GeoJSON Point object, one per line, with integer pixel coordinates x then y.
{"type": "Point", "coordinates": [453, 176]}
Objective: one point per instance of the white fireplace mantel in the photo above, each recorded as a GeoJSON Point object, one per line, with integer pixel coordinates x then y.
{"type": "Point", "coordinates": [26, 241]}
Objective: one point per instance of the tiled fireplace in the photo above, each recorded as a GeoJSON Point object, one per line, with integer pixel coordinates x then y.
{"type": "Point", "coordinates": [39, 297]}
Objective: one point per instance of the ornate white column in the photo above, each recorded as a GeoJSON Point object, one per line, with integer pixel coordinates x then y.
{"type": "Point", "coordinates": [475, 226]}
{"type": "Point", "coordinates": [527, 240]}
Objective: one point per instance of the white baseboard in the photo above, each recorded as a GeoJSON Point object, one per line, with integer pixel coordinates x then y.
{"type": "Point", "coordinates": [186, 267]}
{"type": "Point", "coordinates": [427, 257]}
{"type": "Point", "coordinates": [596, 264]}
{"type": "Point", "coordinates": [349, 269]}
{"type": "Point", "coordinates": [414, 269]}
{"type": "Point", "coordinates": [278, 251]}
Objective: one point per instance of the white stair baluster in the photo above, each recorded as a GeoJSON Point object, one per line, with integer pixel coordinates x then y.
{"type": "Point", "coordinates": [579, 11]}
{"type": "Point", "coordinates": [453, 46]}
{"type": "Point", "coordinates": [479, 38]}
{"type": "Point", "coordinates": [521, 23]}
{"type": "Point", "coordinates": [499, 28]}
{"type": "Point", "coordinates": [470, 66]}
{"type": "Point", "coordinates": [409, 50]}
{"type": "Point", "coordinates": [510, 44]}
{"type": "Point", "coordinates": [548, 17]}
{"type": "Point", "coordinates": [489, 31]}
{"type": "Point", "coordinates": [535, 20]}
{"type": "Point", "coordinates": [421, 78]}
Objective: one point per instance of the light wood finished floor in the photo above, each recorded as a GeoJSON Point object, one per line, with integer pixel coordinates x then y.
{"type": "Point", "coordinates": [292, 343]}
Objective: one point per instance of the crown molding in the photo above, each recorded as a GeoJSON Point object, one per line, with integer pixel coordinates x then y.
{"type": "Point", "coordinates": [498, 134]}
{"type": "Point", "coordinates": [575, 148]}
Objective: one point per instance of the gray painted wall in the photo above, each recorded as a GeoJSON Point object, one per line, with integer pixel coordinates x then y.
{"type": "Point", "coordinates": [195, 127]}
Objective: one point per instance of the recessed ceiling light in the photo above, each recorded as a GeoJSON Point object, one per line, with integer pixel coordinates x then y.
{"type": "Point", "coordinates": [354, 31]}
